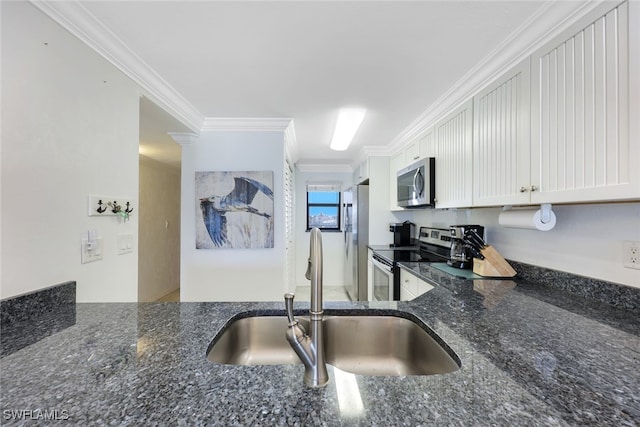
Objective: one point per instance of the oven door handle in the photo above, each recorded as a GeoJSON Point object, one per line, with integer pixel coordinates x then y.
{"type": "Point", "coordinates": [382, 266]}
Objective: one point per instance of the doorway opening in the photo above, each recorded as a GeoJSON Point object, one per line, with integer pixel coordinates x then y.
{"type": "Point", "coordinates": [159, 205]}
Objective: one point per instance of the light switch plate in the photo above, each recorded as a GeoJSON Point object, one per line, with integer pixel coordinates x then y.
{"type": "Point", "coordinates": [125, 243]}
{"type": "Point", "coordinates": [91, 252]}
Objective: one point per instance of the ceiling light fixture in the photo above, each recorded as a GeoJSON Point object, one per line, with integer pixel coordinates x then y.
{"type": "Point", "coordinates": [347, 125]}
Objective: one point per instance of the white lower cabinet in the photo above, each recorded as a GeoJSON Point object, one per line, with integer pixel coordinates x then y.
{"type": "Point", "coordinates": [411, 286]}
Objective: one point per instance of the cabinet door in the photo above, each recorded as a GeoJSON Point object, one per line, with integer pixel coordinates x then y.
{"type": "Point", "coordinates": [427, 145]}
{"type": "Point", "coordinates": [396, 163]}
{"type": "Point", "coordinates": [454, 162]}
{"type": "Point", "coordinates": [408, 285]}
{"type": "Point", "coordinates": [412, 153]}
{"type": "Point", "coordinates": [581, 149]}
{"type": "Point", "coordinates": [423, 287]}
{"type": "Point", "coordinates": [405, 295]}
{"type": "Point", "coordinates": [501, 156]}
{"type": "Point", "coordinates": [362, 172]}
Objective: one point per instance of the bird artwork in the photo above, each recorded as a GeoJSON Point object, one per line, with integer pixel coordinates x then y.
{"type": "Point", "coordinates": [241, 218]}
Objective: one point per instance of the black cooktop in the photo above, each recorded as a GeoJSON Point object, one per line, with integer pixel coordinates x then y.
{"type": "Point", "coordinates": [426, 253]}
{"type": "Point", "coordinates": [399, 255]}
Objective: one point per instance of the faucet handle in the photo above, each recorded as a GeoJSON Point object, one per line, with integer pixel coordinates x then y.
{"type": "Point", "coordinates": [288, 305]}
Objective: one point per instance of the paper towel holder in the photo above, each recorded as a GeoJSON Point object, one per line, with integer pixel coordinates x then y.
{"type": "Point", "coordinates": [546, 211]}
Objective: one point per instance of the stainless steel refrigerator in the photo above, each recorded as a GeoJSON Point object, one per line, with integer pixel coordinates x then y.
{"type": "Point", "coordinates": [356, 239]}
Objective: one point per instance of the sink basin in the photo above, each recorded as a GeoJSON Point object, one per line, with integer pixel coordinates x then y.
{"type": "Point", "coordinates": [365, 345]}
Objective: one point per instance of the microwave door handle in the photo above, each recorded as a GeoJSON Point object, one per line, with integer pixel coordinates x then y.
{"type": "Point", "coordinates": [418, 184]}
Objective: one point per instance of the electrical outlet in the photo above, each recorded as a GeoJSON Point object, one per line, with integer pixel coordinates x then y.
{"type": "Point", "coordinates": [631, 254]}
{"type": "Point", "coordinates": [91, 250]}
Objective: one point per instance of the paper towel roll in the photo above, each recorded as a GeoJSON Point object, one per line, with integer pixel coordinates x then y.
{"type": "Point", "coordinates": [526, 218]}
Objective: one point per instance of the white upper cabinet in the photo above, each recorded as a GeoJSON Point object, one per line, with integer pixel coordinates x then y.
{"type": "Point", "coordinates": [581, 148]}
{"type": "Point", "coordinates": [454, 160]}
{"type": "Point", "coordinates": [412, 153]}
{"type": "Point", "coordinates": [501, 137]}
{"type": "Point", "coordinates": [361, 173]}
{"type": "Point", "coordinates": [427, 145]}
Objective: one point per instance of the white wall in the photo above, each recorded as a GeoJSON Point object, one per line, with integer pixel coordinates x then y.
{"type": "Point", "coordinates": [587, 239]}
{"type": "Point", "coordinates": [69, 129]}
{"type": "Point", "coordinates": [232, 274]}
{"type": "Point", "coordinates": [333, 248]}
{"type": "Point", "coordinates": [379, 214]}
{"type": "Point", "coordinates": [159, 230]}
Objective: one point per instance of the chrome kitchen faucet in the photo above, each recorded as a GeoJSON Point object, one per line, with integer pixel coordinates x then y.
{"type": "Point", "coordinates": [310, 348]}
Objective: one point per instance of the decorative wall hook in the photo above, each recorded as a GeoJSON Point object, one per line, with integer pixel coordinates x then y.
{"type": "Point", "coordinates": [100, 207]}
{"type": "Point", "coordinates": [104, 205]}
{"type": "Point", "coordinates": [115, 207]}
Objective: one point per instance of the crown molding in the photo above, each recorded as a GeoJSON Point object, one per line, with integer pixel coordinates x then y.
{"type": "Point", "coordinates": [324, 168]}
{"type": "Point", "coordinates": [184, 138]}
{"type": "Point", "coordinates": [251, 124]}
{"type": "Point", "coordinates": [81, 23]}
{"type": "Point", "coordinates": [291, 143]}
{"type": "Point", "coordinates": [552, 18]}
{"type": "Point", "coordinates": [370, 151]}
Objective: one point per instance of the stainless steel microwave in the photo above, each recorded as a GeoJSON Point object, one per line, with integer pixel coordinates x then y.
{"type": "Point", "coordinates": [417, 184]}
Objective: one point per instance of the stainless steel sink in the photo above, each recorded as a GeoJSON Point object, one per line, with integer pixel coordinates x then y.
{"type": "Point", "coordinates": [366, 345]}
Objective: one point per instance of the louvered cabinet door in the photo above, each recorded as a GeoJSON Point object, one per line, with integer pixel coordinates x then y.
{"type": "Point", "coordinates": [501, 140]}
{"type": "Point", "coordinates": [581, 149]}
{"type": "Point", "coordinates": [427, 145]}
{"type": "Point", "coordinates": [454, 161]}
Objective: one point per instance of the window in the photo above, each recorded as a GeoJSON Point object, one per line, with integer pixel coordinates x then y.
{"type": "Point", "coordinates": [323, 207]}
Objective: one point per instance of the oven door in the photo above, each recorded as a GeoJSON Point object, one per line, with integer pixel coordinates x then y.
{"type": "Point", "coordinates": [382, 281]}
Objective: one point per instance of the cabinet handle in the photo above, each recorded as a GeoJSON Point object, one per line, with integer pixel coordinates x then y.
{"type": "Point", "coordinates": [525, 189]}
{"type": "Point", "coordinates": [416, 157]}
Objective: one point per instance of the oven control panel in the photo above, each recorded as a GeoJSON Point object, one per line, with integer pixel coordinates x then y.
{"type": "Point", "coordinates": [435, 236]}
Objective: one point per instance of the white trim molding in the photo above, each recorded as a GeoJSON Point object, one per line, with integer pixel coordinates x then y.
{"type": "Point", "coordinates": [275, 124]}
{"type": "Point", "coordinates": [184, 138]}
{"type": "Point", "coordinates": [80, 22]}
{"type": "Point", "coordinates": [291, 143]}
{"type": "Point", "coordinates": [324, 168]}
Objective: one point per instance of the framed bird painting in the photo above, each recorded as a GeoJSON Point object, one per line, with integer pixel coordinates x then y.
{"type": "Point", "coordinates": [234, 209]}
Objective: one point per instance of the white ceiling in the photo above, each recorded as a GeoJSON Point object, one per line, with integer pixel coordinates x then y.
{"type": "Point", "coordinates": [306, 59]}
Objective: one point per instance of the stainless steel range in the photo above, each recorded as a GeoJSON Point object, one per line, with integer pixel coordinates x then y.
{"type": "Point", "coordinates": [434, 245]}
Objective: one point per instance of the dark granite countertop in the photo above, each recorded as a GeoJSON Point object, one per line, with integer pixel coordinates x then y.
{"type": "Point", "coordinates": [531, 355]}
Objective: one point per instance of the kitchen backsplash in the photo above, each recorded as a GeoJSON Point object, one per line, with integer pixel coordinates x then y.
{"type": "Point", "coordinates": [620, 296]}
{"type": "Point", "coordinates": [45, 311]}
